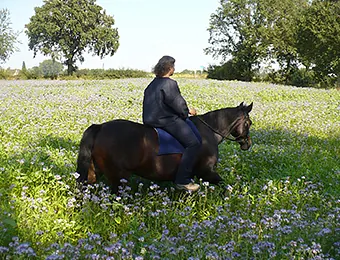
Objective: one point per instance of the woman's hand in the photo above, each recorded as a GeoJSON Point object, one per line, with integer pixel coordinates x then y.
{"type": "Point", "coordinates": [192, 111]}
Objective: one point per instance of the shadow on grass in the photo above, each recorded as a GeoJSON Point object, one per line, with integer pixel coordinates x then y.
{"type": "Point", "coordinates": [33, 166]}
{"type": "Point", "coordinates": [276, 154]}
{"type": "Point", "coordinates": [279, 154]}
{"type": "Point", "coordinates": [8, 225]}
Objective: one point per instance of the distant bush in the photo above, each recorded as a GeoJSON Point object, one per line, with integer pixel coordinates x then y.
{"type": "Point", "coordinates": [110, 73]}
{"type": "Point", "coordinates": [191, 74]}
{"type": "Point", "coordinates": [4, 74]}
{"type": "Point", "coordinates": [300, 77]}
{"type": "Point", "coordinates": [51, 68]}
{"type": "Point", "coordinates": [34, 73]}
{"type": "Point", "coordinates": [231, 70]}
{"type": "Point", "coordinates": [47, 69]}
{"type": "Point", "coordinates": [10, 73]}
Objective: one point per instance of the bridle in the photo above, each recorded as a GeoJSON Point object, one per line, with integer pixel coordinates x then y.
{"type": "Point", "coordinates": [226, 136]}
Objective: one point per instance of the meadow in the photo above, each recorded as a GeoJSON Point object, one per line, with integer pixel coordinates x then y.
{"type": "Point", "coordinates": [280, 200]}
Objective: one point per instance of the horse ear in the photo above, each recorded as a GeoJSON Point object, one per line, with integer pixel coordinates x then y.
{"type": "Point", "coordinates": [249, 108]}
{"type": "Point", "coordinates": [242, 104]}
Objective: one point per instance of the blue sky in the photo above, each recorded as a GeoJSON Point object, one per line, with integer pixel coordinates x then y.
{"type": "Point", "coordinates": [148, 30]}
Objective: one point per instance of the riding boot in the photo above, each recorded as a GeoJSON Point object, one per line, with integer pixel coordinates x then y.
{"type": "Point", "coordinates": [184, 172]}
{"type": "Point", "coordinates": [185, 135]}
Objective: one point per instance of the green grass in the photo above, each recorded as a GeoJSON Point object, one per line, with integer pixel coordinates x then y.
{"type": "Point", "coordinates": [280, 199]}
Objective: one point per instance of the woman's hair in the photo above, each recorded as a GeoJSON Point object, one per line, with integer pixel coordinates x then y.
{"type": "Point", "coordinates": [163, 66]}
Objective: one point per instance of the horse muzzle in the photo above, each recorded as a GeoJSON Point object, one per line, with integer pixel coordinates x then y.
{"type": "Point", "coordinates": [245, 143]}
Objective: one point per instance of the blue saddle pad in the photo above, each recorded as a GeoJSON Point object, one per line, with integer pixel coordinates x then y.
{"type": "Point", "coordinates": [169, 145]}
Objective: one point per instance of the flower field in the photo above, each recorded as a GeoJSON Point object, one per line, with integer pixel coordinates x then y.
{"type": "Point", "coordinates": [280, 200]}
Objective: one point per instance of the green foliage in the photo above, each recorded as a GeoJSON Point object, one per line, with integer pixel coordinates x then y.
{"type": "Point", "coordinates": [8, 38]}
{"type": "Point", "coordinates": [23, 67]}
{"type": "Point", "coordinates": [279, 31]}
{"type": "Point", "coordinates": [50, 68]}
{"type": "Point", "coordinates": [235, 31]}
{"type": "Point", "coordinates": [35, 73]}
{"type": "Point", "coordinates": [296, 77]}
{"type": "Point", "coordinates": [231, 70]}
{"type": "Point", "coordinates": [24, 73]}
{"type": "Point", "coordinates": [297, 35]}
{"type": "Point", "coordinates": [110, 74]}
{"type": "Point", "coordinates": [190, 74]}
{"type": "Point", "coordinates": [5, 73]}
{"type": "Point", "coordinates": [186, 71]}
{"type": "Point", "coordinates": [65, 29]}
{"type": "Point", "coordinates": [319, 39]}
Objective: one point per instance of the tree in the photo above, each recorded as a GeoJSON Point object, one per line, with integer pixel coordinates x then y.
{"type": "Point", "coordinates": [35, 73]}
{"type": "Point", "coordinates": [319, 40]}
{"type": "Point", "coordinates": [8, 38]}
{"type": "Point", "coordinates": [65, 29]}
{"type": "Point", "coordinates": [50, 68]}
{"type": "Point", "coordinates": [235, 32]}
{"type": "Point", "coordinates": [252, 31]}
{"type": "Point", "coordinates": [280, 32]}
{"type": "Point", "coordinates": [24, 72]}
{"type": "Point", "coordinates": [231, 70]}
{"type": "Point", "coordinates": [23, 67]}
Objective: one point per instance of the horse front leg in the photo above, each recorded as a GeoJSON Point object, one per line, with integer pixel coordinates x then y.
{"type": "Point", "coordinates": [206, 171]}
{"type": "Point", "coordinates": [211, 177]}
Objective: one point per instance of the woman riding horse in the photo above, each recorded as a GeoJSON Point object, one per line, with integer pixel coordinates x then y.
{"type": "Point", "coordinates": [120, 147]}
{"type": "Point", "coordinates": [164, 107]}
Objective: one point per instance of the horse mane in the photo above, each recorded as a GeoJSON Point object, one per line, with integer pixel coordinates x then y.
{"type": "Point", "coordinates": [219, 116]}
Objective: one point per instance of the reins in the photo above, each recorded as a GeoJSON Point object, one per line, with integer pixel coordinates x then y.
{"type": "Point", "coordinates": [219, 133]}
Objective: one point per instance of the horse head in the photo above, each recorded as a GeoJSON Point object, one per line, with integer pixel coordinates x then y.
{"type": "Point", "coordinates": [240, 131]}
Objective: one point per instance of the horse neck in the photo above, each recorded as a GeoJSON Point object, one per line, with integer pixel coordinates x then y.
{"type": "Point", "coordinates": [222, 120]}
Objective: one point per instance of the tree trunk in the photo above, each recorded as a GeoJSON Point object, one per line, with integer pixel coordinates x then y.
{"type": "Point", "coordinates": [69, 68]}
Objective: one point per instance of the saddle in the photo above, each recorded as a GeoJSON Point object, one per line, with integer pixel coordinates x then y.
{"type": "Point", "coordinates": [169, 144]}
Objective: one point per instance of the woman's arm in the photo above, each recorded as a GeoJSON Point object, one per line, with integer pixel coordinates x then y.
{"type": "Point", "coordinates": [174, 99]}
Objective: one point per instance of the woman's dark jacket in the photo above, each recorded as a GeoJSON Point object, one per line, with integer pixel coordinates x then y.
{"type": "Point", "coordinates": [163, 103]}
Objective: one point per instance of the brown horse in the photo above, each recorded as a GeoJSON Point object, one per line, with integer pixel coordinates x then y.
{"type": "Point", "coordinates": [119, 148]}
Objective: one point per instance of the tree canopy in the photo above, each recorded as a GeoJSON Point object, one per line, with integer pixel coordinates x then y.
{"type": "Point", "coordinates": [65, 29]}
{"type": "Point", "coordinates": [252, 31]}
{"type": "Point", "coordinates": [234, 33]}
{"type": "Point", "coordinates": [290, 33]}
{"type": "Point", "coordinates": [319, 38]}
{"type": "Point", "coordinates": [8, 38]}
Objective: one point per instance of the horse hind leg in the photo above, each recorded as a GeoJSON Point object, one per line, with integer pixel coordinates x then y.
{"type": "Point", "coordinates": [91, 174]}
{"type": "Point", "coordinates": [90, 178]}
{"type": "Point", "coordinates": [114, 176]}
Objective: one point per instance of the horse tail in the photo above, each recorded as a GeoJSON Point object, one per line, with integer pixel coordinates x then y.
{"type": "Point", "coordinates": [85, 152]}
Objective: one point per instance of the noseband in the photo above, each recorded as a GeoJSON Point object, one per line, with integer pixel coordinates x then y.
{"type": "Point", "coordinates": [236, 139]}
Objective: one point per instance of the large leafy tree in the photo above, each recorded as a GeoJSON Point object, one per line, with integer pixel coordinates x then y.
{"type": "Point", "coordinates": [65, 29]}
{"type": "Point", "coordinates": [252, 31]}
{"type": "Point", "coordinates": [8, 38]}
{"type": "Point", "coordinates": [319, 39]}
{"type": "Point", "coordinates": [235, 33]}
{"type": "Point", "coordinates": [280, 31]}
